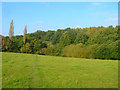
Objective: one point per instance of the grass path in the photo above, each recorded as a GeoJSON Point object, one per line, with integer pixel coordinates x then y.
{"type": "Point", "coordinates": [36, 71]}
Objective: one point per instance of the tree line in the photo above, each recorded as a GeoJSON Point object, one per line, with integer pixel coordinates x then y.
{"type": "Point", "coordinates": [93, 42]}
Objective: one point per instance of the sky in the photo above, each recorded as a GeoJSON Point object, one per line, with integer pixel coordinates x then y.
{"type": "Point", "coordinates": [57, 15]}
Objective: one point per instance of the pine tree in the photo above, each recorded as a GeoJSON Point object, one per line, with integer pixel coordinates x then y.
{"type": "Point", "coordinates": [24, 36]}
{"type": "Point", "coordinates": [11, 30]}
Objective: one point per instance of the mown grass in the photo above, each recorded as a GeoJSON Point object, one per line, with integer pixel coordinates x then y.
{"type": "Point", "coordinates": [37, 71]}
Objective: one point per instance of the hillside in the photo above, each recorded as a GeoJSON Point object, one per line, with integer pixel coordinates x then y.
{"type": "Point", "coordinates": [38, 71]}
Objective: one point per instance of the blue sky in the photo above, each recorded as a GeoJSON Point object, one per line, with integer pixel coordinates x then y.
{"type": "Point", "coordinates": [57, 15]}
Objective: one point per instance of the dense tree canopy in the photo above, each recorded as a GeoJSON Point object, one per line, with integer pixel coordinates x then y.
{"type": "Point", "coordinates": [67, 38]}
{"type": "Point", "coordinates": [93, 42]}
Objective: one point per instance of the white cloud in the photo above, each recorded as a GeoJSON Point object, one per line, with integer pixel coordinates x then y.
{"type": "Point", "coordinates": [78, 26]}
{"type": "Point", "coordinates": [111, 19]}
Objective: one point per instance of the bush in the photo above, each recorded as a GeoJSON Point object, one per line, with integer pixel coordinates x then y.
{"type": "Point", "coordinates": [38, 45]}
{"type": "Point", "coordinates": [73, 50]}
{"type": "Point", "coordinates": [26, 48]}
{"type": "Point", "coordinates": [107, 50]}
{"type": "Point", "coordinates": [41, 52]}
{"type": "Point", "coordinates": [52, 50]}
{"type": "Point", "coordinates": [79, 50]}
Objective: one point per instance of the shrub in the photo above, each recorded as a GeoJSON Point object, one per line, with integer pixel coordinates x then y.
{"type": "Point", "coordinates": [109, 50]}
{"type": "Point", "coordinates": [52, 50]}
{"type": "Point", "coordinates": [26, 48]}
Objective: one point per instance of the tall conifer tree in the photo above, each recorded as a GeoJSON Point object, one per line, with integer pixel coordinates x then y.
{"type": "Point", "coordinates": [24, 36]}
{"type": "Point", "coordinates": [11, 30]}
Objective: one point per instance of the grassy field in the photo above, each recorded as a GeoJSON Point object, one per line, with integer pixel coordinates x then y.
{"type": "Point", "coordinates": [36, 71]}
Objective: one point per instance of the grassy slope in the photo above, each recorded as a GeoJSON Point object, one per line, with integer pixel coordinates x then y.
{"type": "Point", "coordinates": [33, 71]}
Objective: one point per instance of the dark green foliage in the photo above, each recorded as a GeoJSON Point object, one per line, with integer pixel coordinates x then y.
{"type": "Point", "coordinates": [38, 34]}
{"type": "Point", "coordinates": [26, 48]}
{"type": "Point", "coordinates": [67, 38]}
{"type": "Point", "coordinates": [18, 41]}
{"type": "Point", "coordinates": [107, 50]}
{"type": "Point", "coordinates": [49, 36]}
{"type": "Point", "coordinates": [81, 38]}
{"type": "Point", "coordinates": [38, 45]}
{"type": "Point", "coordinates": [103, 35]}
{"type": "Point", "coordinates": [93, 42]}
{"type": "Point", "coordinates": [12, 46]}
{"type": "Point", "coordinates": [56, 37]}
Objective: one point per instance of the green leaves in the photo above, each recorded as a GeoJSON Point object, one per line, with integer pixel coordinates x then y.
{"type": "Point", "coordinates": [81, 38]}
{"type": "Point", "coordinates": [26, 48]}
{"type": "Point", "coordinates": [38, 45]}
{"type": "Point", "coordinates": [67, 38]}
{"type": "Point", "coordinates": [108, 50]}
{"type": "Point", "coordinates": [93, 42]}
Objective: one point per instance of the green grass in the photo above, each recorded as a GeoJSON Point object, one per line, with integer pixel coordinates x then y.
{"type": "Point", "coordinates": [37, 71]}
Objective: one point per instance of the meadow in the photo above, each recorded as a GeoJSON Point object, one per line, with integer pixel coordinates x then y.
{"type": "Point", "coordinates": [21, 70]}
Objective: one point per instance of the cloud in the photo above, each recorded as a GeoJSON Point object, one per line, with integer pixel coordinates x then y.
{"type": "Point", "coordinates": [96, 3]}
{"type": "Point", "coordinates": [78, 26]}
{"type": "Point", "coordinates": [111, 19]}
